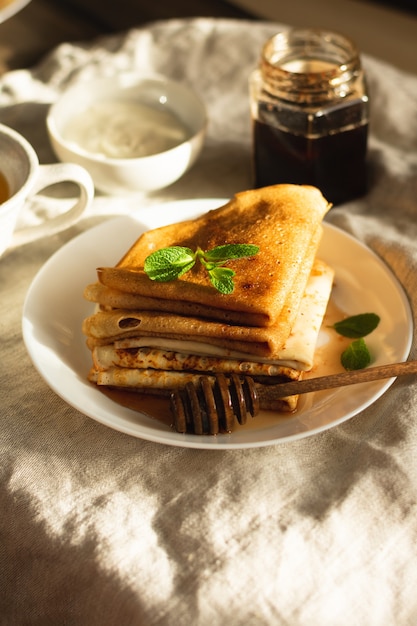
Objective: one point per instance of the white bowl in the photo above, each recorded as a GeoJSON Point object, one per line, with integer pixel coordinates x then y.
{"type": "Point", "coordinates": [132, 134]}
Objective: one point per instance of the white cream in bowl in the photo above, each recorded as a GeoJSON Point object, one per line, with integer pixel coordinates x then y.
{"type": "Point", "coordinates": [132, 134]}
{"type": "Point", "coordinates": [125, 130]}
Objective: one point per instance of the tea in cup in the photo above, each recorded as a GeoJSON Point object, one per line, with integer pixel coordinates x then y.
{"type": "Point", "coordinates": [22, 177]}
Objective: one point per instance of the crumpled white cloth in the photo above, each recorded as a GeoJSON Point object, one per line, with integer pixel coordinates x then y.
{"type": "Point", "coordinates": [99, 528]}
{"type": "Point", "coordinates": [25, 96]}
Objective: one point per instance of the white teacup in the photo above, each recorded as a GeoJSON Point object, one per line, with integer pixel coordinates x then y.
{"type": "Point", "coordinates": [21, 177]}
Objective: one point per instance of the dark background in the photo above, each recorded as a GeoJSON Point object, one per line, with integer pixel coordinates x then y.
{"type": "Point", "coordinates": [132, 12]}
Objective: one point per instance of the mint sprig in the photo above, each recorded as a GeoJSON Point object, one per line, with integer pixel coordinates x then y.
{"type": "Point", "coordinates": [357, 355]}
{"type": "Point", "coordinates": [168, 264]}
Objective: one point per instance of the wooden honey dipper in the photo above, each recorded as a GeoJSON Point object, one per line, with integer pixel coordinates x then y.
{"type": "Point", "coordinates": [212, 404]}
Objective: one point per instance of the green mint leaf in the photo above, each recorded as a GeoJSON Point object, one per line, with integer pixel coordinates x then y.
{"type": "Point", "coordinates": [356, 356]}
{"type": "Point", "coordinates": [222, 279]}
{"type": "Point", "coordinates": [357, 326]}
{"type": "Point", "coordinates": [231, 251]}
{"type": "Point", "coordinates": [169, 263]}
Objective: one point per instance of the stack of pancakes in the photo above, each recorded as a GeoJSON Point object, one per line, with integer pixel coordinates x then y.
{"type": "Point", "coordinates": [154, 336]}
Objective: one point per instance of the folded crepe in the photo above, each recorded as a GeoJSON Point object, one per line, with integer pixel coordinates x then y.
{"type": "Point", "coordinates": [147, 335]}
{"type": "Point", "coordinates": [283, 220]}
{"type": "Point", "coordinates": [190, 335]}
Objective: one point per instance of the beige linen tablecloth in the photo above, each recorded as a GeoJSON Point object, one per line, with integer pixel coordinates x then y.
{"type": "Point", "coordinates": [100, 528]}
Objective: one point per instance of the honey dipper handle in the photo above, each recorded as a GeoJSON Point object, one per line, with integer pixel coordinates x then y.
{"type": "Point", "coordinates": [267, 394]}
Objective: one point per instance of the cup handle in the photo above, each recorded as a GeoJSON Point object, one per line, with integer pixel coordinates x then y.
{"type": "Point", "coordinates": [49, 175]}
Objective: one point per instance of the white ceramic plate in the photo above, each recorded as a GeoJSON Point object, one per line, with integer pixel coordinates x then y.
{"type": "Point", "coordinates": [54, 310]}
{"type": "Point", "coordinates": [8, 8]}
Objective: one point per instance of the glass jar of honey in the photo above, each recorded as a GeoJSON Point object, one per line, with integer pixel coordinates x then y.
{"type": "Point", "coordinates": [310, 114]}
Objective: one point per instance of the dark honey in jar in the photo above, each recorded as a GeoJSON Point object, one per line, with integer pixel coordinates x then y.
{"type": "Point", "coordinates": [310, 114]}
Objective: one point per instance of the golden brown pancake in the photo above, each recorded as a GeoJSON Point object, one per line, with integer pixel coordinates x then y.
{"type": "Point", "coordinates": [283, 220]}
{"type": "Point", "coordinates": [107, 326]}
{"type": "Point", "coordinates": [147, 335]}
